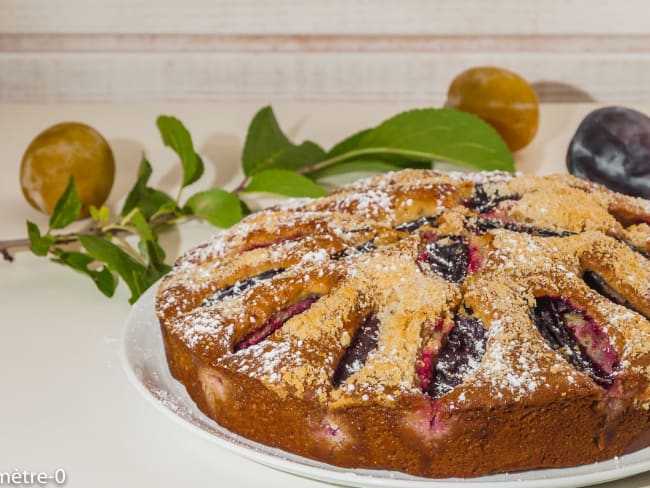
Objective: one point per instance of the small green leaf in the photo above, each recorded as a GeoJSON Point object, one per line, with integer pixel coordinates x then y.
{"type": "Point", "coordinates": [168, 208]}
{"type": "Point", "coordinates": [103, 278]}
{"type": "Point", "coordinates": [154, 273]}
{"type": "Point", "coordinates": [142, 226]}
{"type": "Point", "coordinates": [40, 245]}
{"type": "Point", "coordinates": [94, 213]}
{"type": "Point", "coordinates": [67, 208]}
{"type": "Point", "coordinates": [267, 147]}
{"type": "Point", "coordinates": [429, 135]}
{"type": "Point", "coordinates": [99, 214]}
{"type": "Point", "coordinates": [149, 200]}
{"type": "Point", "coordinates": [148, 244]}
{"type": "Point", "coordinates": [135, 194]}
{"type": "Point", "coordinates": [104, 213]}
{"type": "Point", "coordinates": [156, 258]}
{"type": "Point", "coordinates": [217, 206]}
{"type": "Point", "coordinates": [283, 182]}
{"type": "Point", "coordinates": [119, 261]}
{"type": "Point", "coordinates": [175, 135]}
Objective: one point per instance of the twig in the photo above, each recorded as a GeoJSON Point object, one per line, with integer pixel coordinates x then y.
{"type": "Point", "coordinates": [5, 255]}
{"type": "Point", "coordinates": [24, 243]}
{"type": "Point", "coordinates": [239, 188]}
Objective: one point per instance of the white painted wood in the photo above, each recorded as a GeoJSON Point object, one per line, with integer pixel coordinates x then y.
{"type": "Point", "coordinates": [440, 17]}
{"type": "Point", "coordinates": [324, 43]}
{"type": "Point", "coordinates": [272, 76]}
{"type": "Point", "coordinates": [259, 50]}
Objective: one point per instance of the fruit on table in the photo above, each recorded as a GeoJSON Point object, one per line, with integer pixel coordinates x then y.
{"type": "Point", "coordinates": [612, 147]}
{"type": "Point", "coordinates": [62, 150]}
{"type": "Point", "coordinates": [500, 97]}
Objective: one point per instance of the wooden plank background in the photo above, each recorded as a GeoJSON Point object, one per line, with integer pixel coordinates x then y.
{"type": "Point", "coordinates": [336, 50]}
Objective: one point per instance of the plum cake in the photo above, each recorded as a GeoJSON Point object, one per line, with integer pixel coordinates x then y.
{"type": "Point", "coordinates": [442, 325]}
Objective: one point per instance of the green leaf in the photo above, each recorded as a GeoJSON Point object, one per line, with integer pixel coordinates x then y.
{"type": "Point", "coordinates": [430, 135]}
{"type": "Point", "coordinates": [219, 207]}
{"type": "Point", "coordinates": [267, 147]}
{"type": "Point", "coordinates": [135, 194]}
{"type": "Point", "coordinates": [283, 182]}
{"type": "Point", "coordinates": [175, 135]}
{"type": "Point", "coordinates": [67, 208]}
{"type": "Point", "coordinates": [148, 244]}
{"type": "Point", "coordinates": [142, 226]}
{"type": "Point", "coordinates": [293, 158]}
{"type": "Point", "coordinates": [347, 144]}
{"type": "Point", "coordinates": [103, 278]}
{"type": "Point", "coordinates": [155, 256]}
{"type": "Point", "coordinates": [354, 166]}
{"type": "Point", "coordinates": [99, 214]}
{"type": "Point", "coordinates": [119, 261]}
{"type": "Point", "coordinates": [149, 200]}
{"type": "Point", "coordinates": [40, 245]}
{"type": "Point", "coordinates": [169, 208]}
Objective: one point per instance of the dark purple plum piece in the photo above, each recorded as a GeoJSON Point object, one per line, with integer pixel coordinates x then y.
{"type": "Point", "coordinates": [276, 321]}
{"type": "Point", "coordinates": [240, 286]}
{"type": "Point", "coordinates": [484, 201]}
{"type": "Point", "coordinates": [485, 224]}
{"type": "Point", "coordinates": [447, 256]}
{"type": "Point", "coordinates": [580, 340]}
{"type": "Point", "coordinates": [612, 147]}
{"type": "Point", "coordinates": [461, 355]}
{"type": "Point", "coordinates": [598, 284]}
{"type": "Point", "coordinates": [413, 225]}
{"type": "Point", "coordinates": [349, 251]}
{"type": "Point", "coordinates": [364, 340]}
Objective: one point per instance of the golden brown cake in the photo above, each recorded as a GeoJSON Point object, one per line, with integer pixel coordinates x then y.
{"type": "Point", "coordinates": [435, 324]}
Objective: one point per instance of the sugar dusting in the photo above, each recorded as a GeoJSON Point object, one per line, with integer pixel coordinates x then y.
{"type": "Point", "coordinates": [303, 354]}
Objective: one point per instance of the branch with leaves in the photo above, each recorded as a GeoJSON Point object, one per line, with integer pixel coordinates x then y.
{"type": "Point", "coordinates": [271, 163]}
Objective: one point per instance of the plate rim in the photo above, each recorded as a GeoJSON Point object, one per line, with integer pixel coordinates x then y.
{"type": "Point", "coordinates": [315, 470]}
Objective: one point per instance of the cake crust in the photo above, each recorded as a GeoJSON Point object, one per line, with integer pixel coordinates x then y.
{"type": "Point", "coordinates": [441, 325]}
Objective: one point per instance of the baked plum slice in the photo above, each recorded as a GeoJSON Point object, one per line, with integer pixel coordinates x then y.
{"type": "Point", "coordinates": [598, 284]}
{"type": "Point", "coordinates": [446, 256]}
{"type": "Point", "coordinates": [485, 224]}
{"type": "Point", "coordinates": [485, 199]}
{"type": "Point", "coordinates": [349, 251]}
{"type": "Point", "coordinates": [461, 354]}
{"type": "Point", "coordinates": [240, 286]}
{"type": "Point", "coordinates": [413, 225]}
{"type": "Point", "coordinates": [364, 340]}
{"type": "Point", "coordinates": [274, 322]}
{"type": "Point", "coordinates": [577, 337]}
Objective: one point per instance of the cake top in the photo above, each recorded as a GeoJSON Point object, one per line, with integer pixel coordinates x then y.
{"type": "Point", "coordinates": [465, 286]}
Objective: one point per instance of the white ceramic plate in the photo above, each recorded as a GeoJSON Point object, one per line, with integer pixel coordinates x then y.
{"type": "Point", "coordinates": [143, 358]}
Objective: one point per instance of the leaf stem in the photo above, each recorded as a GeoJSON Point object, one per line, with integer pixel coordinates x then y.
{"type": "Point", "coordinates": [422, 156]}
{"type": "Point", "coordinates": [178, 196]}
{"type": "Point", "coordinates": [127, 248]}
{"type": "Point", "coordinates": [239, 188]}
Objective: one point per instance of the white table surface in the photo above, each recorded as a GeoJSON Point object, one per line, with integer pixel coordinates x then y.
{"type": "Point", "coordinates": [66, 402]}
